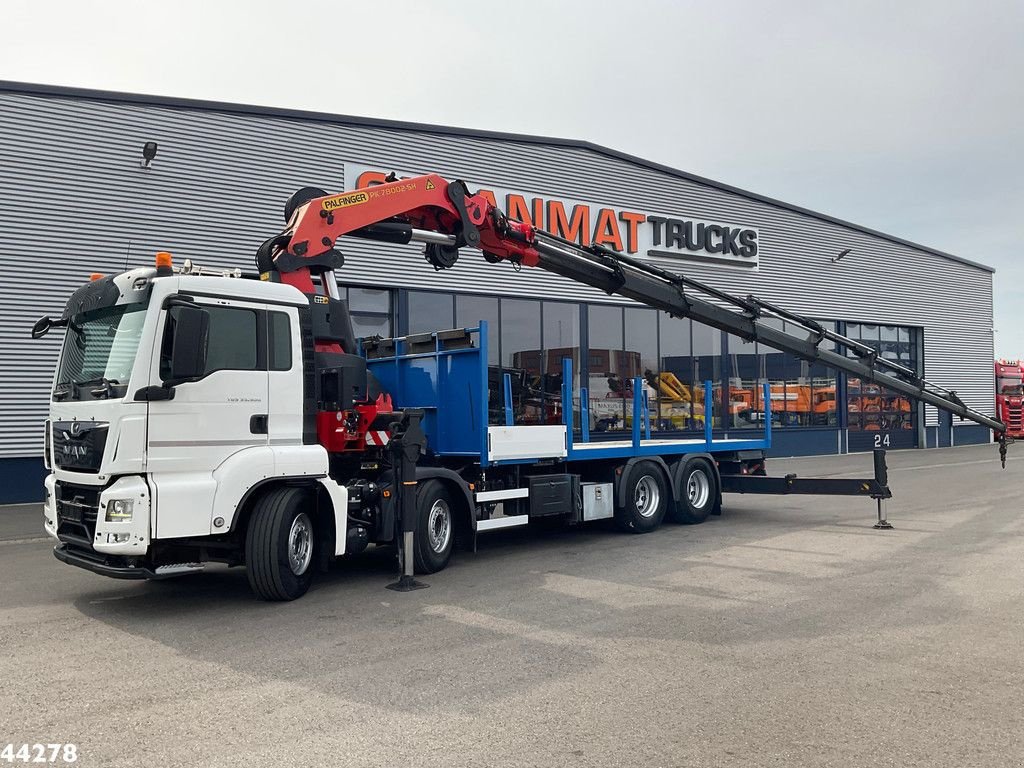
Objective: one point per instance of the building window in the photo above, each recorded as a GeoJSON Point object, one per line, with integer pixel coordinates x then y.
{"type": "Point", "coordinates": [803, 394]}
{"type": "Point", "coordinates": [430, 311]}
{"type": "Point", "coordinates": [608, 368]}
{"type": "Point", "coordinates": [707, 366]}
{"type": "Point", "coordinates": [641, 359]}
{"type": "Point", "coordinates": [745, 372]}
{"type": "Point", "coordinates": [470, 310]}
{"type": "Point", "coordinates": [675, 376]}
{"type": "Point", "coordinates": [521, 357]}
{"type": "Point", "coordinates": [370, 310]}
{"type": "Point", "coordinates": [560, 339]}
{"type": "Point", "coordinates": [872, 408]}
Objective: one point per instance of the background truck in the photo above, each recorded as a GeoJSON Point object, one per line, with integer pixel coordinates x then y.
{"type": "Point", "coordinates": [233, 418]}
{"type": "Point", "coordinates": [1010, 396]}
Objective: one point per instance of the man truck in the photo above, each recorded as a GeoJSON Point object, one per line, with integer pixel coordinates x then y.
{"type": "Point", "coordinates": [233, 418]}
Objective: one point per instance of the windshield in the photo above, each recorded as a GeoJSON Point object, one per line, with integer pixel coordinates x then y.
{"type": "Point", "coordinates": [1010, 386]}
{"type": "Point", "coordinates": [99, 351]}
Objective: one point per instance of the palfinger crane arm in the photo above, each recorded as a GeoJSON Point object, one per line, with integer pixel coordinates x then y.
{"type": "Point", "coordinates": [446, 216]}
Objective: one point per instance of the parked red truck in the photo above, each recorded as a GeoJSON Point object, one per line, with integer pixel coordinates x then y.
{"type": "Point", "coordinates": [1010, 395]}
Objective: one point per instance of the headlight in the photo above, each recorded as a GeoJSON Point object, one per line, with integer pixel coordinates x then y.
{"type": "Point", "coordinates": [119, 510]}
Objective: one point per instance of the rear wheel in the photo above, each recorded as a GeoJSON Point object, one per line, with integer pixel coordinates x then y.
{"type": "Point", "coordinates": [435, 527]}
{"type": "Point", "coordinates": [645, 499]}
{"type": "Point", "coordinates": [280, 543]}
{"type": "Point", "coordinates": [698, 493]}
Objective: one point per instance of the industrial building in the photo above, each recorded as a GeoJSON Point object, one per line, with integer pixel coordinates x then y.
{"type": "Point", "coordinates": [79, 195]}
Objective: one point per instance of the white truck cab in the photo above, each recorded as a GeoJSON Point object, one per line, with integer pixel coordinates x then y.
{"type": "Point", "coordinates": [175, 397]}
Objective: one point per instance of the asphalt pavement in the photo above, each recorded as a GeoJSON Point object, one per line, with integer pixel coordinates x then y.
{"type": "Point", "coordinates": [787, 632]}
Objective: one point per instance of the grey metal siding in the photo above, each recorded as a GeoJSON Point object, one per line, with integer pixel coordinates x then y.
{"type": "Point", "coordinates": [73, 200]}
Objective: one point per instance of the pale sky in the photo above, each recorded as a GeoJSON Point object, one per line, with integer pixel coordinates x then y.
{"type": "Point", "coordinates": [901, 116]}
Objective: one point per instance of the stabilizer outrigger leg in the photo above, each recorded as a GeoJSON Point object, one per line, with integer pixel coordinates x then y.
{"type": "Point", "coordinates": [882, 493]}
{"type": "Point", "coordinates": [407, 443]}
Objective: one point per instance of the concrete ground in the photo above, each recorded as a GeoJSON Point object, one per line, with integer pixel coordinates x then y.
{"type": "Point", "coordinates": [787, 632]}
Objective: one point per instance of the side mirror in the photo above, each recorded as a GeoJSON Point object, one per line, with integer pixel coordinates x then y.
{"type": "Point", "coordinates": [44, 324]}
{"type": "Point", "coordinates": [189, 344]}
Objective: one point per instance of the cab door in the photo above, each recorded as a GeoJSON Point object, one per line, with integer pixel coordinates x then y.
{"type": "Point", "coordinates": [204, 430]}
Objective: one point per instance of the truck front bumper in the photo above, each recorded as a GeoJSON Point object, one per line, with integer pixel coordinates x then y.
{"type": "Point", "coordinates": [119, 566]}
{"type": "Point", "coordinates": [114, 567]}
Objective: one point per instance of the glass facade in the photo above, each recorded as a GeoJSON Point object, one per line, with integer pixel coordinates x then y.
{"type": "Point", "coordinates": [611, 346]}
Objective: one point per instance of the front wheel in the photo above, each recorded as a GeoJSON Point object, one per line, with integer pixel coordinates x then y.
{"type": "Point", "coordinates": [280, 543]}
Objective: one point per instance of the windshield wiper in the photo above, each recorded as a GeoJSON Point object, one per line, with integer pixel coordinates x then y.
{"type": "Point", "coordinates": [62, 390]}
{"type": "Point", "coordinates": [101, 391]}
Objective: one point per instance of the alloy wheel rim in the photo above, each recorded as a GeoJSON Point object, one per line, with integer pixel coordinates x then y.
{"type": "Point", "coordinates": [698, 488]}
{"type": "Point", "coordinates": [439, 526]}
{"type": "Point", "coordinates": [646, 496]}
{"type": "Point", "coordinates": [300, 544]}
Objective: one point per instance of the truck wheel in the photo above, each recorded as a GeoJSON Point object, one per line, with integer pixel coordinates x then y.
{"type": "Point", "coordinates": [698, 492]}
{"type": "Point", "coordinates": [435, 527]}
{"type": "Point", "coordinates": [280, 544]}
{"type": "Point", "coordinates": [646, 496]}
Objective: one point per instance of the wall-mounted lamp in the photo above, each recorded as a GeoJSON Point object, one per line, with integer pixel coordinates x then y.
{"type": "Point", "coordinates": [148, 153]}
{"type": "Point", "coordinates": [841, 255]}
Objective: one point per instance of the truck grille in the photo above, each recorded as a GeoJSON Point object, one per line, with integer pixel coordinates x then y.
{"type": "Point", "coordinates": [78, 445]}
{"type": "Point", "coordinates": [1014, 413]}
{"type": "Point", "coordinates": [77, 508]}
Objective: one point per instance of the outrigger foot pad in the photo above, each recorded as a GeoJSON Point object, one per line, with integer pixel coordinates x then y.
{"type": "Point", "coordinates": [406, 584]}
{"type": "Point", "coordinates": [884, 525]}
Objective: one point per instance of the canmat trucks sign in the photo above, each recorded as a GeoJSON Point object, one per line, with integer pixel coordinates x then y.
{"type": "Point", "coordinates": [638, 233]}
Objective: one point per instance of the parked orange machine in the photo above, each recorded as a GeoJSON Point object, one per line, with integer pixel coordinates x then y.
{"type": "Point", "coordinates": [799, 403]}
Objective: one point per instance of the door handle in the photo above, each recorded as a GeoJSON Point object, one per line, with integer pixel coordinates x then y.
{"type": "Point", "coordinates": [258, 423]}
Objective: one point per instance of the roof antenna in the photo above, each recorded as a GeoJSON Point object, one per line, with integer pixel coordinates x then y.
{"type": "Point", "coordinates": [127, 253]}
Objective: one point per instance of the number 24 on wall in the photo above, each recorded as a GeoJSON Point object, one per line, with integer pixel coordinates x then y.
{"type": "Point", "coordinates": [881, 441]}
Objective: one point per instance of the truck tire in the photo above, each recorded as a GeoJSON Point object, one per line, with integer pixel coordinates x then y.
{"type": "Point", "coordinates": [435, 527]}
{"type": "Point", "coordinates": [698, 492]}
{"type": "Point", "coordinates": [280, 544]}
{"type": "Point", "coordinates": [645, 499]}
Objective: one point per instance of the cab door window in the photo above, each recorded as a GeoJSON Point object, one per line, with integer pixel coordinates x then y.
{"type": "Point", "coordinates": [232, 342]}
